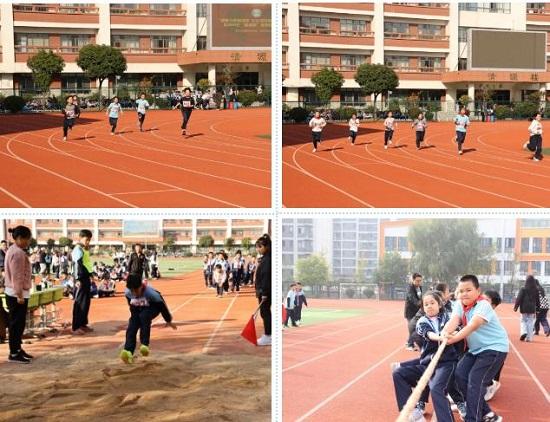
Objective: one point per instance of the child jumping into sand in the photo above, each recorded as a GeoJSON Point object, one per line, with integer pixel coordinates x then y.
{"type": "Point", "coordinates": [145, 304]}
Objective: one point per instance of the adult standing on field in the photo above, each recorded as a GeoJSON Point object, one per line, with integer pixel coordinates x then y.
{"type": "Point", "coordinates": [413, 302]}
{"type": "Point", "coordinates": [263, 286]}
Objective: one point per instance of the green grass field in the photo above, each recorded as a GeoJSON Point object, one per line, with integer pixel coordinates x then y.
{"type": "Point", "coordinates": [169, 267]}
{"type": "Point", "coordinates": [319, 315]}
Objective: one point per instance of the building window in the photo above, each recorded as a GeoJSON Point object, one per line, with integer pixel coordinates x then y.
{"type": "Point", "coordinates": [537, 244]}
{"type": "Point", "coordinates": [508, 267]}
{"type": "Point", "coordinates": [509, 244]}
{"type": "Point", "coordinates": [430, 31]}
{"type": "Point", "coordinates": [395, 28]}
{"type": "Point", "coordinates": [163, 43]}
{"type": "Point", "coordinates": [314, 60]}
{"type": "Point", "coordinates": [547, 268]}
{"type": "Point", "coordinates": [523, 267]}
{"type": "Point", "coordinates": [402, 244]}
{"type": "Point", "coordinates": [74, 42]}
{"type": "Point", "coordinates": [201, 43]}
{"type": "Point", "coordinates": [75, 83]}
{"type": "Point", "coordinates": [462, 64]}
{"type": "Point", "coordinates": [352, 27]}
{"type": "Point", "coordinates": [525, 245]}
{"type": "Point", "coordinates": [201, 10]}
{"type": "Point", "coordinates": [486, 242]}
{"type": "Point", "coordinates": [352, 96]}
{"type": "Point", "coordinates": [314, 25]}
{"type": "Point", "coordinates": [397, 62]}
{"type": "Point", "coordinates": [125, 42]}
{"type": "Point", "coordinates": [429, 64]}
{"type": "Point", "coordinates": [350, 62]}
{"type": "Point", "coordinates": [485, 7]}
{"type": "Point", "coordinates": [463, 34]}
{"type": "Point", "coordinates": [534, 224]}
{"type": "Point", "coordinates": [390, 244]}
{"type": "Point", "coordinates": [31, 42]}
{"type": "Point", "coordinates": [535, 267]}
{"type": "Point", "coordinates": [163, 6]}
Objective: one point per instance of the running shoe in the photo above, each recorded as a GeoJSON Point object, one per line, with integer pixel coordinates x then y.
{"type": "Point", "coordinates": [25, 354]}
{"type": "Point", "coordinates": [491, 390]}
{"type": "Point", "coordinates": [461, 406]}
{"type": "Point", "coordinates": [144, 350]}
{"type": "Point", "coordinates": [264, 341]}
{"type": "Point", "coordinates": [18, 358]}
{"type": "Point", "coordinates": [523, 337]}
{"type": "Point", "coordinates": [385, 147]}
{"type": "Point", "coordinates": [314, 149]}
{"type": "Point", "coordinates": [535, 159]}
{"type": "Point", "coordinates": [492, 417]}
{"type": "Point", "coordinates": [417, 416]}
{"type": "Point", "coordinates": [460, 152]}
{"type": "Point", "coordinates": [127, 356]}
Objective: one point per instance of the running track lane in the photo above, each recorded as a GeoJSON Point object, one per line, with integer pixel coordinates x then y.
{"type": "Point", "coordinates": [224, 163]}
{"type": "Point", "coordinates": [497, 174]}
{"type": "Point", "coordinates": [367, 392]}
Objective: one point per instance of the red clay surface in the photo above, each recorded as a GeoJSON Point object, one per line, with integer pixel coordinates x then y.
{"type": "Point", "coordinates": [348, 363]}
{"type": "Point", "coordinates": [224, 162]}
{"type": "Point", "coordinates": [493, 172]}
{"type": "Point", "coordinates": [205, 323]}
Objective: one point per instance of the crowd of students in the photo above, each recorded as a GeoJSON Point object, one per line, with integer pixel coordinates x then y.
{"type": "Point", "coordinates": [227, 274]}
{"type": "Point", "coordinates": [317, 123]}
{"type": "Point", "coordinates": [468, 372]}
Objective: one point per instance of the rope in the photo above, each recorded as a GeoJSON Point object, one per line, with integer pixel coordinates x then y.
{"type": "Point", "coordinates": [421, 385]}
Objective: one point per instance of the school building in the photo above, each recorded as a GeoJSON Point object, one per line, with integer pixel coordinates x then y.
{"type": "Point", "coordinates": [521, 246]}
{"type": "Point", "coordinates": [122, 233]}
{"type": "Point", "coordinates": [427, 44]}
{"type": "Point", "coordinates": [169, 46]}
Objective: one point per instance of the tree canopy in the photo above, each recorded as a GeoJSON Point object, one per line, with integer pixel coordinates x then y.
{"type": "Point", "coordinates": [376, 79]}
{"type": "Point", "coordinates": [392, 268]}
{"type": "Point", "coordinates": [327, 82]}
{"type": "Point", "coordinates": [44, 66]}
{"type": "Point", "coordinates": [312, 270]}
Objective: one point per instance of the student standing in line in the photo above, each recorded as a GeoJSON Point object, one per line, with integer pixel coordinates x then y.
{"type": "Point", "coordinates": [534, 144]}
{"type": "Point", "coordinates": [353, 128]}
{"type": "Point", "coordinates": [317, 123]}
{"type": "Point", "coordinates": [420, 125]}
{"type": "Point", "coordinates": [462, 121]}
{"type": "Point", "coordinates": [542, 312]}
{"type": "Point", "coordinates": [82, 273]}
{"type": "Point", "coordinates": [389, 126]}
{"type": "Point", "coordinates": [186, 104]}
{"type": "Point", "coordinates": [142, 106]}
{"type": "Point", "coordinates": [114, 111]}
{"type": "Point", "coordinates": [69, 114]}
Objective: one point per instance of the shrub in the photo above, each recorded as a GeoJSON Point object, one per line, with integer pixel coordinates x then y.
{"type": "Point", "coordinates": [203, 84]}
{"type": "Point", "coordinates": [429, 115]}
{"type": "Point", "coordinates": [413, 112]}
{"type": "Point", "coordinates": [247, 97]}
{"type": "Point", "coordinates": [344, 113]}
{"type": "Point", "coordinates": [162, 103]}
{"type": "Point", "coordinates": [265, 96]}
{"type": "Point", "coordinates": [350, 293]}
{"type": "Point", "coordinates": [14, 103]}
{"type": "Point", "coordinates": [188, 254]}
{"type": "Point", "coordinates": [503, 112]}
{"type": "Point", "coordinates": [524, 110]}
{"type": "Point", "coordinates": [298, 114]}
{"type": "Point", "coordinates": [394, 105]}
{"type": "Point", "coordinates": [368, 293]}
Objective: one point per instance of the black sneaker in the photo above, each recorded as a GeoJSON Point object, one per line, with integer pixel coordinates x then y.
{"type": "Point", "coordinates": [492, 417]}
{"type": "Point", "coordinates": [26, 355]}
{"type": "Point", "coordinates": [421, 406]}
{"type": "Point", "coordinates": [18, 358]}
{"type": "Point", "coordinates": [523, 337]}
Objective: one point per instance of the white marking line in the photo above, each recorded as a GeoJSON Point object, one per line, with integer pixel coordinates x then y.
{"type": "Point", "coordinates": [145, 191]}
{"type": "Point", "coordinates": [533, 376]}
{"type": "Point", "coordinates": [348, 385]}
{"type": "Point", "coordinates": [16, 198]}
{"type": "Point", "coordinates": [220, 322]}
{"type": "Point", "coordinates": [353, 343]}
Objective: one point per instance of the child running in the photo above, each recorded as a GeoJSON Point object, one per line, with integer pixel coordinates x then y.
{"type": "Point", "coordinates": [420, 125]}
{"type": "Point", "coordinates": [70, 113]}
{"type": "Point", "coordinates": [462, 121]}
{"type": "Point", "coordinates": [487, 344]}
{"type": "Point", "coordinates": [389, 127]}
{"type": "Point", "coordinates": [186, 104]}
{"type": "Point", "coordinates": [317, 123]}
{"type": "Point", "coordinates": [534, 144]}
{"type": "Point", "coordinates": [142, 106]}
{"type": "Point", "coordinates": [406, 374]}
{"type": "Point", "coordinates": [145, 305]}
{"type": "Point", "coordinates": [113, 111]}
{"type": "Point", "coordinates": [353, 128]}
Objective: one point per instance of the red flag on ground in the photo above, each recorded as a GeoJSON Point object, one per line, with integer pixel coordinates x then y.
{"type": "Point", "coordinates": [284, 313]}
{"type": "Point", "coordinates": [249, 331]}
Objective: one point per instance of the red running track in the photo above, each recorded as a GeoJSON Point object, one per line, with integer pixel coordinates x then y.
{"type": "Point", "coordinates": [494, 171]}
{"type": "Point", "coordinates": [224, 162]}
{"type": "Point", "coordinates": [340, 370]}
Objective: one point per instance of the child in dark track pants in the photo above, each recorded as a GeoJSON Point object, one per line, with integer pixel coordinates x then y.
{"type": "Point", "coordinates": [420, 125]}
{"type": "Point", "coordinates": [220, 278]}
{"type": "Point", "coordinates": [487, 344]}
{"type": "Point", "coordinates": [317, 123]}
{"type": "Point", "coordinates": [69, 113]}
{"type": "Point", "coordinates": [290, 305]}
{"type": "Point", "coordinates": [407, 374]}
{"type": "Point", "coordinates": [389, 127]}
{"type": "Point", "coordinates": [535, 137]}
{"type": "Point", "coordinates": [186, 104]}
{"type": "Point", "coordinates": [145, 304]}
{"type": "Point", "coordinates": [114, 111]}
{"type": "Point", "coordinates": [353, 128]}
{"type": "Point", "coordinates": [462, 121]}
{"type": "Point", "coordinates": [300, 301]}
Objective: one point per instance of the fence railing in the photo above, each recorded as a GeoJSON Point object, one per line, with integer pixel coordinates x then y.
{"type": "Point", "coordinates": [407, 36]}
{"type": "Point", "coordinates": [55, 9]}
{"type": "Point", "coordinates": [147, 11]}
{"type": "Point", "coordinates": [327, 31]}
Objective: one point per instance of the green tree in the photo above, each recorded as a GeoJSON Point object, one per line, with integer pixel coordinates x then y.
{"type": "Point", "coordinates": [203, 84]}
{"type": "Point", "coordinates": [65, 241]}
{"type": "Point", "coordinates": [33, 243]}
{"type": "Point", "coordinates": [327, 82]}
{"type": "Point", "coordinates": [376, 79]}
{"type": "Point", "coordinates": [445, 249]}
{"type": "Point", "coordinates": [228, 76]}
{"type": "Point", "coordinates": [44, 66]}
{"type": "Point", "coordinates": [312, 271]}
{"type": "Point", "coordinates": [50, 243]}
{"type": "Point", "coordinates": [392, 268]}
{"type": "Point", "coordinates": [229, 243]}
{"type": "Point", "coordinates": [246, 243]}
{"type": "Point", "coordinates": [169, 242]}
{"type": "Point", "coordinates": [206, 241]}
{"type": "Point", "coordinates": [101, 62]}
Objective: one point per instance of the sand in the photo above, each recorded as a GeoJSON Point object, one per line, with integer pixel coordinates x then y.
{"type": "Point", "coordinates": [69, 385]}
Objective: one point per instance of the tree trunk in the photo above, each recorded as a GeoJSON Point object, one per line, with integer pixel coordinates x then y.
{"type": "Point", "coordinates": [374, 106]}
{"type": "Point", "coordinates": [99, 96]}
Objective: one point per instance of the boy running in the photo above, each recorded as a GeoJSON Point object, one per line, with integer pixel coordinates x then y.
{"type": "Point", "coordinates": [317, 123]}
{"type": "Point", "coordinates": [353, 128]}
{"type": "Point", "coordinates": [186, 104]}
{"type": "Point", "coordinates": [142, 106]}
{"type": "Point", "coordinates": [461, 122]}
{"type": "Point", "coordinates": [113, 111]}
{"type": "Point", "coordinates": [389, 127]}
{"type": "Point", "coordinates": [420, 125]}
{"type": "Point", "coordinates": [70, 113]}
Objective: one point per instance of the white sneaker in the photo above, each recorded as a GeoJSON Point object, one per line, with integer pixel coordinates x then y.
{"type": "Point", "coordinates": [264, 340]}
{"type": "Point", "coordinates": [525, 145]}
{"type": "Point", "coordinates": [314, 149]}
{"type": "Point", "coordinates": [491, 390]}
{"type": "Point", "coordinates": [112, 133]}
{"type": "Point", "coordinates": [385, 147]}
{"type": "Point", "coordinates": [390, 142]}
{"type": "Point", "coordinates": [535, 159]}
{"type": "Point", "coordinates": [460, 152]}
{"type": "Point", "coordinates": [417, 416]}
{"type": "Point", "coordinates": [64, 138]}
{"type": "Point", "coordinates": [394, 366]}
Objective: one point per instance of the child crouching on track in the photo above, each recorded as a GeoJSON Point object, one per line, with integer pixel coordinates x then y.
{"type": "Point", "coordinates": [220, 278]}
{"type": "Point", "coordinates": [487, 344]}
{"type": "Point", "coordinates": [407, 374]}
{"type": "Point", "coordinates": [145, 304]}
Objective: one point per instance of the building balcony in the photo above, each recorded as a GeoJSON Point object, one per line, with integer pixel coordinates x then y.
{"type": "Point", "coordinates": [421, 73]}
{"type": "Point", "coordinates": [396, 39]}
{"type": "Point", "coordinates": [467, 76]}
{"type": "Point", "coordinates": [328, 36]}
{"type": "Point", "coordinates": [308, 70]}
{"type": "Point", "coordinates": [430, 9]}
{"type": "Point", "coordinates": [55, 13]}
{"type": "Point", "coordinates": [350, 6]}
{"type": "Point", "coordinates": [110, 224]}
{"type": "Point", "coordinates": [151, 55]}
{"type": "Point", "coordinates": [223, 56]}
{"type": "Point", "coordinates": [285, 33]}
{"type": "Point", "coordinates": [23, 52]}
{"type": "Point", "coordinates": [145, 15]}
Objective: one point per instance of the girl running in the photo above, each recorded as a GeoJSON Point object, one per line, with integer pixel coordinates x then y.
{"type": "Point", "coordinates": [389, 127]}
{"type": "Point", "coordinates": [70, 113]}
{"type": "Point", "coordinates": [142, 105]}
{"type": "Point", "coordinates": [317, 123]}
{"type": "Point", "coordinates": [461, 122]}
{"type": "Point", "coordinates": [113, 111]}
{"type": "Point", "coordinates": [420, 125]}
{"type": "Point", "coordinates": [186, 104]}
{"type": "Point", "coordinates": [353, 128]}
{"type": "Point", "coordinates": [534, 144]}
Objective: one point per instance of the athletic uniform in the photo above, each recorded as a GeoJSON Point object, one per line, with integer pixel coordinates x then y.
{"type": "Point", "coordinates": [389, 126]}
{"type": "Point", "coordinates": [70, 113]}
{"type": "Point", "coordinates": [187, 103]}
{"type": "Point", "coordinates": [420, 127]}
{"type": "Point", "coordinates": [142, 106]}
{"type": "Point", "coordinates": [316, 125]}
{"type": "Point", "coordinates": [353, 128]}
{"type": "Point", "coordinates": [114, 110]}
{"type": "Point", "coordinates": [461, 122]}
{"type": "Point", "coordinates": [535, 139]}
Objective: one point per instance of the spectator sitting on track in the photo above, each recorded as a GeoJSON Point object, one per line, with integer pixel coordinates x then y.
{"type": "Point", "coordinates": [68, 285]}
{"type": "Point", "coordinates": [106, 288]}
{"type": "Point", "coordinates": [93, 288]}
